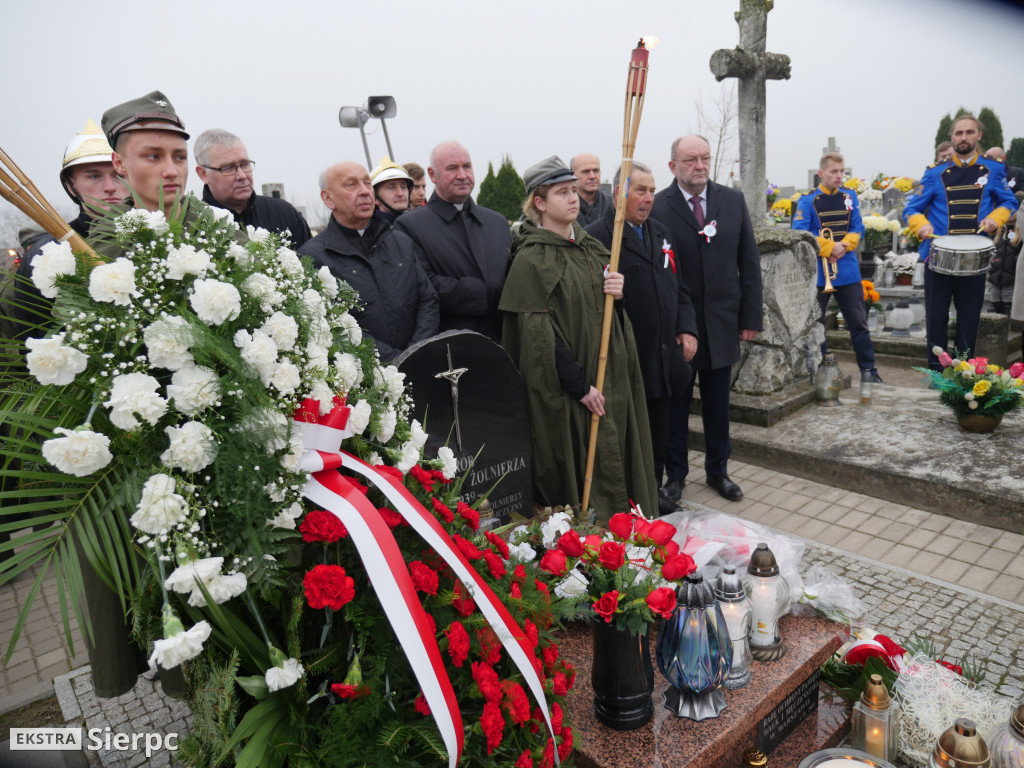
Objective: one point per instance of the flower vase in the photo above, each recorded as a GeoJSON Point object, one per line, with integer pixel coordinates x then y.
{"type": "Point", "coordinates": [622, 676]}
{"type": "Point", "coordinates": [904, 279]}
{"type": "Point", "coordinates": [980, 423]}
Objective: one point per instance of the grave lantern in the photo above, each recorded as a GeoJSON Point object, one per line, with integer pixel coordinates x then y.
{"type": "Point", "coordinates": [900, 319]}
{"type": "Point", "coordinates": [825, 381]}
{"type": "Point", "coordinates": [769, 601]}
{"type": "Point", "coordinates": [961, 746]}
{"type": "Point", "coordinates": [736, 609]}
{"type": "Point", "coordinates": [874, 723]}
{"type": "Point", "coordinates": [1007, 741]}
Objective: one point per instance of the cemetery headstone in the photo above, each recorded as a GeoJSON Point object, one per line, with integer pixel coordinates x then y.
{"type": "Point", "coordinates": [469, 396]}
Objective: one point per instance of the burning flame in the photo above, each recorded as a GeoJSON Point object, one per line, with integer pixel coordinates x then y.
{"type": "Point", "coordinates": [649, 41]}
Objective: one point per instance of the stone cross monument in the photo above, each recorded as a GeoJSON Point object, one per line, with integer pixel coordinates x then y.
{"type": "Point", "coordinates": [749, 63]}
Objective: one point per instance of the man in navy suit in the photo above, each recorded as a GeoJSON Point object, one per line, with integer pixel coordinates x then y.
{"type": "Point", "coordinates": [720, 265]}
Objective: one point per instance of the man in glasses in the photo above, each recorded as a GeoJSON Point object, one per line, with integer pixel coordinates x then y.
{"type": "Point", "coordinates": [224, 166]}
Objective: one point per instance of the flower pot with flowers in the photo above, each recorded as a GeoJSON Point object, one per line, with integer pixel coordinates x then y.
{"type": "Point", "coordinates": [903, 265]}
{"type": "Point", "coordinates": [977, 392]}
{"type": "Point", "coordinates": [624, 578]}
{"type": "Point", "coordinates": [878, 232]}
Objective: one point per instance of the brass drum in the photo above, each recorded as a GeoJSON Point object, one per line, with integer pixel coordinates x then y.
{"type": "Point", "coordinates": [961, 255]}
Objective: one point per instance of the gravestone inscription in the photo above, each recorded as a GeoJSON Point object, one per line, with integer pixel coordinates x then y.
{"type": "Point", "coordinates": [469, 396]}
{"type": "Point", "coordinates": [781, 721]}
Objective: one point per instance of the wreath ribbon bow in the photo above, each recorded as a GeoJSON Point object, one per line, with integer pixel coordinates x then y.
{"type": "Point", "coordinates": [387, 571]}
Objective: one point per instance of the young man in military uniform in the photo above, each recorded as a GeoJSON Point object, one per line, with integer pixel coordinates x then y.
{"type": "Point", "coordinates": [962, 196]}
{"type": "Point", "coordinates": [832, 215]}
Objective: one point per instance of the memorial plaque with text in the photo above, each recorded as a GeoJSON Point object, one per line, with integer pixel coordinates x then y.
{"type": "Point", "coordinates": [792, 711]}
{"type": "Point", "coordinates": [470, 397]}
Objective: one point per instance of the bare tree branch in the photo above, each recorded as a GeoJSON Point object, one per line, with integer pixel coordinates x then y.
{"type": "Point", "coordinates": [717, 122]}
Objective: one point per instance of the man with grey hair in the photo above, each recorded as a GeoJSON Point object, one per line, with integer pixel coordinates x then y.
{"type": "Point", "coordinates": [658, 304]}
{"type": "Point", "coordinates": [1014, 175]}
{"type": "Point", "coordinates": [466, 247]}
{"type": "Point", "coordinates": [224, 166]}
{"type": "Point", "coordinates": [594, 203]}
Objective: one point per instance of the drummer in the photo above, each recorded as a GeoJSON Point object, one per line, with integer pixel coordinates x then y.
{"type": "Point", "coordinates": [965, 195]}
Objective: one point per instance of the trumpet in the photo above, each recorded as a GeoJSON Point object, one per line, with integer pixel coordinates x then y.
{"type": "Point", "coordinates": [830, 269]}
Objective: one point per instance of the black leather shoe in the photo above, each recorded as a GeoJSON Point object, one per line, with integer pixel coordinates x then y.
{"type": "Point", "coordinates": [666, 506]}
{"type": "Point", "coordinates": [875, 378]}
{"type": "Point", "coordinates": [673, 489]}
{"type": "Point", "coordinates": [726, 488]}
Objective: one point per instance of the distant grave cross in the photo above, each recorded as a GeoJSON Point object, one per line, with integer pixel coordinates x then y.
{"type": "Point", "coordinates": [749, 63]}
{"type": "Point", "coordinates": [453, 375]}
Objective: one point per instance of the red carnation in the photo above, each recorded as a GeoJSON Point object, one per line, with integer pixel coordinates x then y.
{"type": "Point", "coordinates": [659, 533]}
{"type": "Point", "coordinates": [621, 525]}
{"type": "Point", "coordinates": [515, 591]}
{"type": "Point", "coordinates": [519, 574]}
{"type": "Point", "coordinates": [392, 518]}
{"type": "Point", "coordinates": [421, 706]}
{"type": "Point", "coordinates": [463, 605]}
{"type": "Point", "coordinates": [524, 761]}
{"type": "Point", "coordinates": [490, 645]}
{"type": "Point", "coordinates": [612, 555]}
{"type": "Point", "coordinates": [677, 567]}
{"type": "Point", "coordinates": [346, 691]}
{"type": "Point", "coordinates": [550, 655]}
{"type": "Point", "coordinates": [425, 477]}
{"type": "Point", "coordinates": [423, 577]}
{"type": "Point", "coordinates": [553, 562]}
{"type": "Point", "coordinates": [515, 702]}
{"type": "Point", "coordinates": [487, 681]}
{"type": "Point", "coordinates": [470, 515]}
{"type": "Point", "coordinates": [498, 543]}
{"type": "Point", "coordinates": [394, 472]}
{"type": "Point", "coordinates": [570, 543]}
{"type": "Point", "coordinates": [320, 525]}
{"type": "Point", "coordinates": [566, 746]}
{"type": "Point", "coordinates": [559, 685]}
{"type": "Point", "coordinates": [458, 643]}
{"type": "Point", "coordinates": [557, 716]}
{"type": "Point", "coordinates": [442, 511]}
{"type": "Point", "coordinates": [532, 635]}
{"type": "Point", "coordinates": [542, 587]}
{"type": "Point", "coordinates": [662, 601]}
{"type": "Point", "coordinates": [951, 667]}
{"type": "Point", "coordinates": [439, 477]}
{"type": "Point", "coordinates": [493, 724]}
{"type": "Point", "coordinates": [327, 586]}
{"type": "Point", "coordinates": [468, 548]}
{"type": "Point", "coordinates": [548, 759]}
{"type": "Point", "coordinates": [494, 564]}
{"type": "Point", "coordinates": [570, 673]}
{"type": "Point", "coordinates": [606, 605]}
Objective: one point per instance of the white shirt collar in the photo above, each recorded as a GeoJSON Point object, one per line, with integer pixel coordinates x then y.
{"type": "Point", "coordinates": [702, 195]}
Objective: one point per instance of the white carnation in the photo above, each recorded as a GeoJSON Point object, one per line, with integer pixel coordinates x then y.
{"type": "Point", "coordinates": [186, 260]}
{"type": "Point", "coordinates": [192, 446]}
{"type": "Point", "coordinates": [555, 526]}
{"type": "Point", "coordinates": [55, 259]}
{"type": "Point", "coordinates": [328, 283]}
{"type": "Point", "coordinates": [286, 518]}
{"type": "Point", "coordinates": [223, 214]}
{"type": "Point", "coordinates": [359, 417]}
{"type": "Point", "coordinates": [282, 677]}
{"type": "Point", "coordinates": [259, 350]}
{"type": "Point", "coordinates": [285, 377]}
{"type": "Point", "coordinates": [183, 579]}
{"type": "Point", "coordinates": [289, 262]}
{"type": "Point", "coordinates": [160, 507]}
{"type": "Point", "coordinates": [352, 329]}
{"type": "Point", "coordinates": [185, 645]}
{"type": "Point", "coordinates": [256, 234]}
{"type": "Point", "coordinates": [388, 422]}
{"type": "Point", "coordinates": [80, 452]}
{"type": "Point", "coordinates": [316, 357]}
{"type": "Point", "coordinates": [239, 254]}
{"type": "Point", "coordinates": [417, 436]}
{"type": "Point", "coordinates": [392, 380]}
{"type": "Point", "coordinates": [314, 303]}
{"type": "Point", "coordinates": [445, 454]}
{"type": "Point", "coordinates": [522, 553]}
{"type": "Point", "coordinates": [264, 288]}
{"type": "Point", "coordinates": [268, 428]}
{"type": "Point", "coordinates": [134, 394]}
{"type": "Point", "coordinates": [138, 219]}
{"type": "Point", "coordinates": [113, 282]}
{"type": "Point", "coordinates": [215, 301]}
{"type": "Point", "coordinates": [320, 391]}
{"type": "Point", "coordinates": [193, 388]}
{"type": "Point", "coordinates": [349, 371]}
{"type": "Point", "coordinates": [168, 340]}
{"type": "Point", "coordinates": [51, 362]}
{"type": "Point", "coordinates": [573, 585]}
{"type": "Point", "coordinates": [320, 331]}
{"type": "Point", "coordinates": [410, 456]}
{"type": "Point", "coordinates": [282, 329]}
{"type": "Point", "coordinates": [292, 461]}
{"type": "Point", "coordinates": [221, 589]}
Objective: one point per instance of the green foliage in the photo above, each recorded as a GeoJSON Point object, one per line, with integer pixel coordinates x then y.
{"type": "Point", "coordinates": [1015, 153]}
{"type": "Point", "coordinates": [993, 136]}
{"type": "Point", "coordinates": [504, 192]}
{"type": "Point", "coordinates": [849, 680]}
{"type": "Point", "coordinates": [214, 709]}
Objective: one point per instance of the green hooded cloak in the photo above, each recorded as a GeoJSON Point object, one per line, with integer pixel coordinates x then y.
{"type": "Point", "coordinates": [556, 287]}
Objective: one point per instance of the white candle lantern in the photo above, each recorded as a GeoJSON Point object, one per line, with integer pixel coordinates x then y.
{"type": "Point", "coordinates": [769, 601]}
{"type": "Point", "coordinates": [732, 597]}
{"type": "Point", "coordinates": [874, 724]}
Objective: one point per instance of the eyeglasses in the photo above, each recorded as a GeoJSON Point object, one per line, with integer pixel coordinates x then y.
{"type": "Point", "coordinates": [231, 170]}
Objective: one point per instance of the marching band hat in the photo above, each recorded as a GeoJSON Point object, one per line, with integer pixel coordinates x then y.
{"type": "Point", "coordinates": [152, 112]}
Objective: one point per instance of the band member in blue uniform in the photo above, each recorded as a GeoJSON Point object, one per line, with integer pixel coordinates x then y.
{"type": "Point", "coordinates": [832, 215]}
{"type": "Point", "coordinates": [962, 196]}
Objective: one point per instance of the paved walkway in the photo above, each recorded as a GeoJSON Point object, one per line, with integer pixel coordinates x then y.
{"type": "Point", "coordinates": [961, 583]}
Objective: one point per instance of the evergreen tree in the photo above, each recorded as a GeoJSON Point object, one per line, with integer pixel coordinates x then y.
{"type": "Point", "coordinates": [1015, 153]}
{"type": "Point", "coordinates": [993, 136]}
{"type": "Point", "coordinates": [507, 193]}
{"type": "Point", "coordinates": [946, 126]}
{"type": "Point", "coordinates": [487, 188]}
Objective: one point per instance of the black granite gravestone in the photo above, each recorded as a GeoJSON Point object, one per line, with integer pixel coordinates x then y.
{"type": "Point", "coordinates": [469, 396]}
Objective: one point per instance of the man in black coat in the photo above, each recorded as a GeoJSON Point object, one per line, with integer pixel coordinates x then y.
{"type": "Point", "coordinates": [718, 259]}
{"type": "Point", "coordinates": [226, 171]}
{"type": "Point", "coordinates": [362, 249]}
{"type": "Point", "coordinates": [657, 303]}
{"type": "Point", "coordinates": [465, 247]}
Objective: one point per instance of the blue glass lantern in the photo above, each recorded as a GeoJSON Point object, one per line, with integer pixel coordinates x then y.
{"type": "Point", "coordinates": [695, 652]}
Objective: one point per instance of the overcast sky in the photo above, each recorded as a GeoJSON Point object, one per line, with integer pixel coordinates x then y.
{"type": "Point", "coordinates": [529, 79]}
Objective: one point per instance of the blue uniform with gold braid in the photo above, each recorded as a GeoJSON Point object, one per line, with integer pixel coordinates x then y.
{"type": "Point", "coordinates": [839, 211]}
{"type": "Point", "coordinates": [954, 197]}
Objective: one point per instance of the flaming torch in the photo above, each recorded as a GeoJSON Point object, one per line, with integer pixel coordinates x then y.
{"type": "Point", "coordinates": [636, 84]}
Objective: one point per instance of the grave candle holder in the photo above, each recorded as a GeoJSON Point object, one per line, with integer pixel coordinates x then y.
{"type": "Point", "coordinates": [769, 601]}
{"type": "Point", "coordinates": [874, 723]}
{"type": "Point", "coordinates": [1006, 744]}
{"type": "Point", "coordinates": [961, 746]}
{"type": "Point", "coordinates": [736, 608]}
